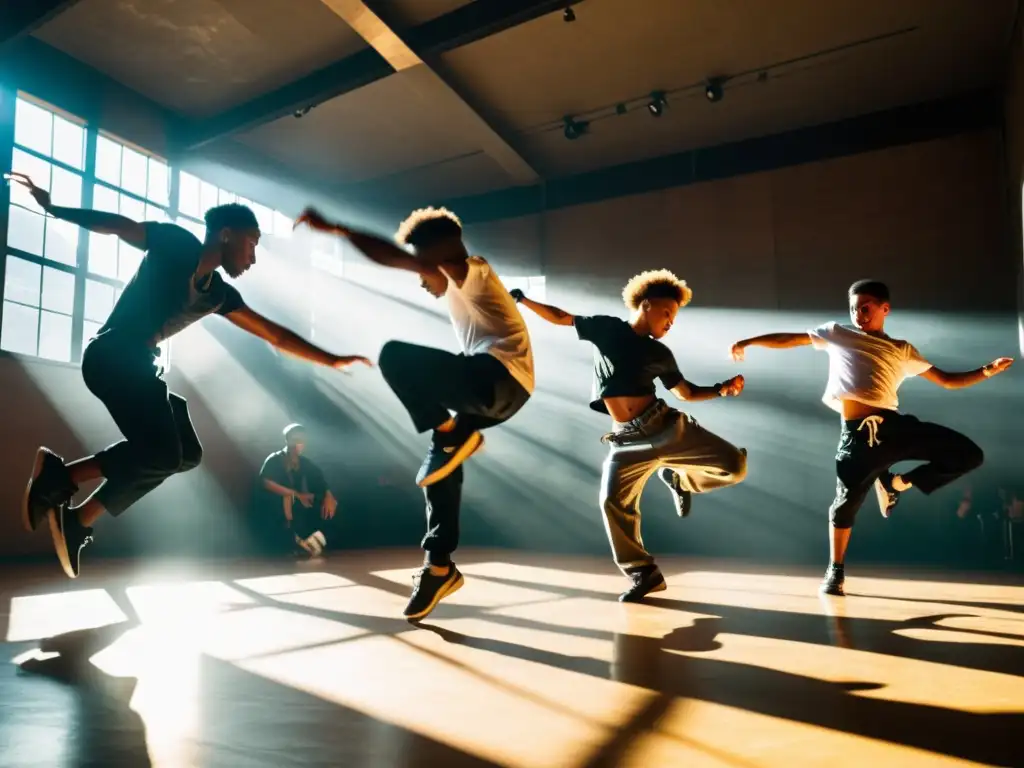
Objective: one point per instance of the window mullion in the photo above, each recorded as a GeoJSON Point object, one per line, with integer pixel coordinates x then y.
{"type": "Point", "coordinates": [88, 183]}
{"type": "Point", "coordinates": [8, 101]}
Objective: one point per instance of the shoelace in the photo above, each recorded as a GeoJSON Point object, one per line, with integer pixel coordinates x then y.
{"type": "Point", "coordinates": [872, 423]}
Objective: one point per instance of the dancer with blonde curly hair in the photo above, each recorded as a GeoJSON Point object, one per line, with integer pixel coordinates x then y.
{"type": "Point", "coordinates": [452, 396]}
{"type": "Point", "coordinates": [647, 435]}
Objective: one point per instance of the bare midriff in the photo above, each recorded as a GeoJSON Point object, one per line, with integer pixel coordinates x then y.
{"type": "Point", "coordinates": [624, 409]}
{"type": "Point", "coordinates": [854, 411]}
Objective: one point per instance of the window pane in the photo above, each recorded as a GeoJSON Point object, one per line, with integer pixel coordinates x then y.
{"type": "Point", "coordinates": [89, 329]}
{"type": "Point", "coordinates": [62, 241]}
{"type": "Point", "coordinates": [156, 214]}
{"type": "Point", "coordinates": [265, 217]}
{"type": "Point", "coordinates": [128, 265]}
{"type": "Point", "coordinates": [33, 127]}
{"type": "Point", "coordinates": [58, 290]}
{"type": "Point", "coordinates": [188, 195]}
{"type": "Point", "coordinates": [38, 170]}
{"type": "Point", "coordinates": [245, 201]}
{"type": "Point", "coordinates": [103, 254]}
{"type": "Point", "coordinates": [159, 182]}
{"type": "Point", "coordinates": [208, 195]}
{"type": "Point", "coordinates": [195, 227]}
{"type": "Point", "coordinates": [132, 208]}
{"type": "Point", "coordinates": [99, 300]}
{"type": "Point", "coordinates": [133, 171]}
{"type": "Point", "coordinates": [108, 160]}
{"type": "Point", "coordinates": [55, 337]}
{"type": "Point", "coordinates": [282, 225]}
{"type": "Point", "coordinates": [25, 230]}
{"type": "Point", "coordinates": [68, 142]}
{"type": "Point", "coordinates": [20, 326]}
{"type": "Point", "coordinates": [66, 188]}
{"type": "Point", "coordinates": [105, 199]}
{"type": "Point", "coordinates": [21, 281]}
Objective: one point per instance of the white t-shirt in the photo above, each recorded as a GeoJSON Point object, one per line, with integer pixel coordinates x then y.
{"type": "Point", "coordinates": [487, 320]}
{"type": "Point", "coordinates": [865, 368]}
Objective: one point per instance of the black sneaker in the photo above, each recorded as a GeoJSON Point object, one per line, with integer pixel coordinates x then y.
{"type": "Point", "coordinates": [680, 495]}
{"type": "Point", "coordinates": [428, 590]}
{"type": "Point", "coordinates": [888, 497]}
{"type": "Point", "coordinates": [645, 581]}
{"type": "Point", "coordinates": [69, 538]}
{"type": "Point", "coordinates": [49, 486]}
{"type": "Point", "coordinates": [833, 582]}
{"type": "Point", "coordinates": [448, 451]}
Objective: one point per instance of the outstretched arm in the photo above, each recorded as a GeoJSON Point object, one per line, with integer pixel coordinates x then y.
{"type": "Point", "coordinates": [685, 390]}
{"type": "Point", "coordinates": [546, 311]}
{"type": "Point", "coordinates": [772, 341]}
{"type": "Point", "coordinates": [102, 222]}
{"type": "Point", "coordinates": [962, 379]}
{"type": "Point", "coordinates": [287, 341]}
{"type": "Point", "coordinates": [376, 249]}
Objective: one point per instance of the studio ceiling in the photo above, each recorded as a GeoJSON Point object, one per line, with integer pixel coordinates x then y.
{"type": "Point", "coordinates": [483, 86]}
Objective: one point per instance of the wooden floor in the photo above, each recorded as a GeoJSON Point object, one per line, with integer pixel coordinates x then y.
{"type": "Point", "coordinates": [533, 663]}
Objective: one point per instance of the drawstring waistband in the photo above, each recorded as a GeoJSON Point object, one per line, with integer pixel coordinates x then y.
{"type": "Point", "coordinates": [650, 422]}
{"type": "Point", "coordinates": [872, 424]}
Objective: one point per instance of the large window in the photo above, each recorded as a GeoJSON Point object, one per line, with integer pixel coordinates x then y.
{"type": "Point", "coordinates": [534, 286]}
{"type": "Point", "coordinates": [61, 282]}
{"type": "Point", "coordinates": [42, 253]}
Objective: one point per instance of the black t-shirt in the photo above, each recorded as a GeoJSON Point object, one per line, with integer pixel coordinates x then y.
{"type": "Point", "coordinates": [625, 363]}
{"type": "Point", "coordinates": [161, 299]}
{"type": "Point", "coordinates": [305, 478]}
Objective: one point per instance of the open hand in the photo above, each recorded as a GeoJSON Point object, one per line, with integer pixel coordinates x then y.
{"type": "Point", "coordinates": [305, 499]}
{"type": "Point", "coordinates": [732, 387]}
{"type": "Point", "coordinates": [328, 507]}
{"type": "Point", "coordinates": [738, 351]}
{"type": "Point", "coordinates": [313, 219]}
{"type": "Point", "coordinates": [998, 365]}
{"type": "Point", "coordinates": [41, 196]}
{"type": "Point", "coordinates": [344, 361]}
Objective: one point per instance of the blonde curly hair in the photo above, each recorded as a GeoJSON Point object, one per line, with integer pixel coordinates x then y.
{"type": "Point", "coordinates": [655, 284]}
{"type": "Point", "coordinates": [426, 226]}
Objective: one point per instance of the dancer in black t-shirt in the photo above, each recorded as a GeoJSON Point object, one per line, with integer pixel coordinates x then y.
{"type": "Point", "coordinates": [176, 284]}
{"type": "Point", "coordinates": [647, 435]}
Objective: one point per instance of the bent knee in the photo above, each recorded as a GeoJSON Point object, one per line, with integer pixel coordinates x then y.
{"type": "Point", "coordinates": [163, 460]}
{"type": "Point", "coordinates": [392, 356]}
{"type": "Point", "coordinates": [974, 457]}
{"type": "Point", "coordinates": [737, 467]}
{"type": "Point", "coordinates": [842, 516]}
{"type": "Point", "coordinates": [191, 458]}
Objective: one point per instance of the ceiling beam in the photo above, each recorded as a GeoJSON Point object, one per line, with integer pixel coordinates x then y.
{"type": "Point", "coordinates": [433, 89]}
{"type": "Point", "coordinates": [474, 21]}
{"type": "Point", "coordinates": [22, 17]}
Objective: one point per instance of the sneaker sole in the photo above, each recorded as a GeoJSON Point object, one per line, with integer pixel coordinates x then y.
{"type": "Point", "coordinates": [442, 593]}
{"type": "Point", "coordinates": [26, 511]}
{"type": "Point", "coordinates": [660, 588]}
{"type": "Point", "coordinates": [685, 497]}
{"type": "Point", "coordinates": [467, 449]}
{"type": "Point", "coordinates": [882, 496]}
{"type": "Point", "coordinates": [60, 545]}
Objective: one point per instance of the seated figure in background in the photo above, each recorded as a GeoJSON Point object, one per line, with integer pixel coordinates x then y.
{"type": "Point", "coordinates": [305, 502]}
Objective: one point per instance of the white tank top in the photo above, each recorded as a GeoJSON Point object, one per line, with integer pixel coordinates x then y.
{"type": "Point", "coordinates": [487, 320]}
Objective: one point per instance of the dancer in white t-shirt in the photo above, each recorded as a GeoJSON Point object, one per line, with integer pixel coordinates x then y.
{"type": "Point", "coordinates": [866, 368]}
{"type": "Point", "coordinates": [453, 396]}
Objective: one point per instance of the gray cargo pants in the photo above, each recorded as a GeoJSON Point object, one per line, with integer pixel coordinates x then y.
{"type": "Point", "coordinates": [660, 437]}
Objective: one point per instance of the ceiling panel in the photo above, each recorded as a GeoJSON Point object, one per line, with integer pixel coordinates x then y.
{"type": "Point", "coordinates": [200, 57]}
{"type": "Point", "coordinates": [382, 129]}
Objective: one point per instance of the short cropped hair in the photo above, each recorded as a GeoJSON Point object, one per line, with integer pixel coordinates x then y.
{"type": "Point", "coordinates": [293, 429]}
{"type": "Point", "coordinates": [230, 216]}
{"type": "Point", "coordinates": [873, 288]}
{"type": "Point", "coordinates": [655, 284]}
{"type": "Point", "coordinates": [428, 226]}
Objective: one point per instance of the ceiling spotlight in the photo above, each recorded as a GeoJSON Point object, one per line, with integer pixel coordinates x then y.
{"type": "Point", "coordinates": [657, 104]}
{"type": "Point", "coordinates": [302, 112]}
{"type": "Point", "coordinates": [574, 129]}
{"type": "Point", "coordinates": [713, 89]}
{"type": "Point", "coordinates": [568, 15]}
